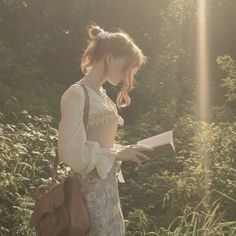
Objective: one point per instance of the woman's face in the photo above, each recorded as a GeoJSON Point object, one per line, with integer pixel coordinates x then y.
{"type": "Point", "coordinates": [116, 72]}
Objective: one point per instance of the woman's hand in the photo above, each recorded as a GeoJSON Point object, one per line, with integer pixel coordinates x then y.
{"type": "Point", "coordinates": [134, 153]}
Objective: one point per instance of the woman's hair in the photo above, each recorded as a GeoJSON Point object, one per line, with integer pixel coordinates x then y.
{"type": "Point", "coordinates": [119, 44]}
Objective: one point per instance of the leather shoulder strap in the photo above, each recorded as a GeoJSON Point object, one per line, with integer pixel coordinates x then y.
{"type": "Point", "coordinates": [86, 106]}
{"type": "Point", "coordinates": [85, 120]}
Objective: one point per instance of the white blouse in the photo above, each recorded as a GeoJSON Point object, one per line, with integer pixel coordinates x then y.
{"type": "Point", "coordinates": [74, 149]}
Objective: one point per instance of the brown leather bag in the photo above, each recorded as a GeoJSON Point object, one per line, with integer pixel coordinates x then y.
{"type": "Point", "coordinates": [62, 211]}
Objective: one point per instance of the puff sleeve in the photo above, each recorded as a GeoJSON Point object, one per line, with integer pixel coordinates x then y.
{"type": "Point", "coordinates": [80, 154]}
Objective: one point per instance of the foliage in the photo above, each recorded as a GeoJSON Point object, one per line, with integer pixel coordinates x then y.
{"type": "Point", "coordinates": [204, 164]}
{"type": "Point", "coordinates": [192, 222]}
{"type": "Point", "coordinates": [24, 81]}
{"type": "Point", "coordinates": [164, 196]}
{"type": "Point", "coordinates": [27, 149]}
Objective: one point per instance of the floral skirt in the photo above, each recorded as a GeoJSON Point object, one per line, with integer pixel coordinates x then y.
{"type": "Point", "coordinates": [102, 198]}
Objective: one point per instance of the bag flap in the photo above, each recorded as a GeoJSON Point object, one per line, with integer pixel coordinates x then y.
{"type": "Point", "coordinates": [54, 198]}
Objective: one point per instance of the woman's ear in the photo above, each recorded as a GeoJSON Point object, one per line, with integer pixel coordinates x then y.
{"type": "Point", "coordinates": [109, 58]}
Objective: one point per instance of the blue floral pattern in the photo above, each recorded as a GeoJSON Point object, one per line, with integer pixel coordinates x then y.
{"type": "Point", "coordinates": [103, 202]}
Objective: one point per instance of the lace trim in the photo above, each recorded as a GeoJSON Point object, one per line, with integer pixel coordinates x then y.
{"type": "Point", "coordinates": [113, 106]}
{"type": "Point", "coordinates": [103, 117]}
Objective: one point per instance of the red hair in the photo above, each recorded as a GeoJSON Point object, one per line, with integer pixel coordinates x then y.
{"type": "Point", "coordinates": [119, 44]}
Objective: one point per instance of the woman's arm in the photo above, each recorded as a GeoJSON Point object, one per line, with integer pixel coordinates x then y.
{"type": "Point", "coordinates": [74, 149]}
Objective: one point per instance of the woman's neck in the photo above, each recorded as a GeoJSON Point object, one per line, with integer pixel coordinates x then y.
{"type": "Point", "coordinates": [95, 78]}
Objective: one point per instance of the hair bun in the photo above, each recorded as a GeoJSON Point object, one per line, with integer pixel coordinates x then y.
{"type": "Point", "coordinates": [93, 30]}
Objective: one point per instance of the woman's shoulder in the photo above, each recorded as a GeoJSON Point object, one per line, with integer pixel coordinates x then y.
{"type": "Point", "coordinates": [73, 94]}
{"type": "Point", "coordinates": [74, 88]}
{"type": "Point", "coordinates": [77, 87]}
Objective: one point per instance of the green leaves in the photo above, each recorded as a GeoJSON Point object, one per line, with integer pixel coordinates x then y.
{"type": "Point", "coordinates": [169, 189]}
{"type": "Point", "coordinates": [27, 150]}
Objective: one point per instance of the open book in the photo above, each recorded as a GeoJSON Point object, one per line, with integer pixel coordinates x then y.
{"type": "Point", "coordinates": [163, 144]}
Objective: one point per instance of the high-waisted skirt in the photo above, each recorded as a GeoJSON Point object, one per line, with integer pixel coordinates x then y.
{"type": "Point", "coordinates": [103, 203]}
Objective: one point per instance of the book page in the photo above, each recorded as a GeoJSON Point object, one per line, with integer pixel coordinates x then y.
{"type": "Point", "coordinates": [158, 140]}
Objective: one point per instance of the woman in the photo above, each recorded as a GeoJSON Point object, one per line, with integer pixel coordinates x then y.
{"type": "Point", "coordinates": [90, 151]}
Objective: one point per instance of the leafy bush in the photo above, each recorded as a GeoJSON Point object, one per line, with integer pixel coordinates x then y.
{"type": "Point", "coordinates": [166, 187]}
{"type": "Point", "coordinates": [27, 149]}
{"type": "Point", "coordinates": [189, 192]}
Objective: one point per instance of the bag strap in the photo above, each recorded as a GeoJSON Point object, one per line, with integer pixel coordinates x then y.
{"type": "Point", "coordinates": [85, 120]}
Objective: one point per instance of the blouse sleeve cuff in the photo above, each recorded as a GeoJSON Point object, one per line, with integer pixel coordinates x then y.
{"type": "Point", "coordinates": [105, 158]}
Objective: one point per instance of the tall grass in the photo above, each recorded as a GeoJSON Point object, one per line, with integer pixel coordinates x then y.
{"type": "Point", "coordinates": [203, 220]}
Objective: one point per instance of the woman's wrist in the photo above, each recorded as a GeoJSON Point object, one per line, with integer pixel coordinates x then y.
{"type": "Point", "coordinates": [118, 157]}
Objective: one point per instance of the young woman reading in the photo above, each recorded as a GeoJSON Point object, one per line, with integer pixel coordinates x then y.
{"type": "Point", "coordinates": [112, 57]}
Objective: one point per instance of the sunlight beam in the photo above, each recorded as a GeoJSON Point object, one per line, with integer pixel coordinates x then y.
{"type": "Point", "coordinates": [203, 63]}
{"type": "Point", "coordinates": [203, 89]}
